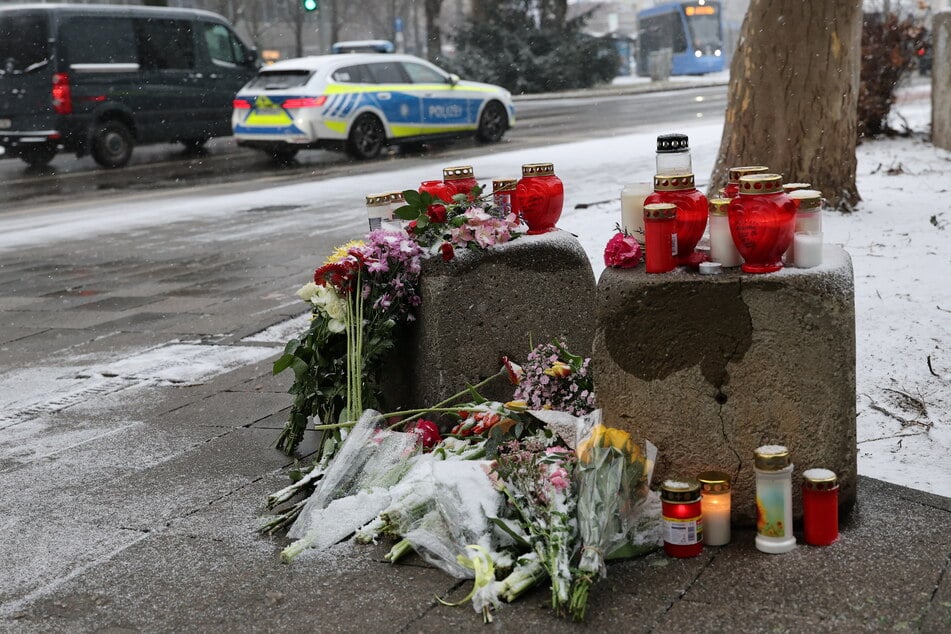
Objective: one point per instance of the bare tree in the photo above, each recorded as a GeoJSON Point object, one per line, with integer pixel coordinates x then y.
{"type": "Point", "coordinates": [433, 30]}
{"type": "Point", "coordinates": [794, 84]}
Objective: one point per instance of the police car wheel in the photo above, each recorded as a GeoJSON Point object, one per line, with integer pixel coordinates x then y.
{"type": "Point", "coordinates": [367, 138]}
{"type": "Point", "coordinates": [492, 123]}
{"type": "Point", "coordinates": [111, 144]}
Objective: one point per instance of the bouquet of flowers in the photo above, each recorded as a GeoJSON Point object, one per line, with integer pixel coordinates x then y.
{"type": "Point", "coordinates": [553, 378]}
{"type": "Point", "coordinates": [466, 222]}
{"type": "Point", "coordinates": [613, 477]}
{"type": "Point", "coordinates": [536, 478]}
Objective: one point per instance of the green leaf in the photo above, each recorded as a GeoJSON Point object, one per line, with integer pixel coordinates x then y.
{"type": "Point", "coordinates": [291, 346]}
{"type": "Point", "coordinates": [300, 368]}
{"type": "Point", "coordinates": [412, 197]}
{"type": "Point", "coordinates": [282, 363]}
{"type": "Point", "coordinates": [422, 222]}
{"type": "Point", "coordinates": [406, 213]}
{"type": "Point", "coordinates": [511, 532]}
{"type": "Point", "coordinates": [460, 198]}
{"type": "Point", "coordinates": [476, 397]}
{"type": "Point", "coordinates": [458, 221]}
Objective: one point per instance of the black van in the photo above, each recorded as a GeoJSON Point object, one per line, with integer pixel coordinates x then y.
{"type": "Point", "coordinates": [99, 79]}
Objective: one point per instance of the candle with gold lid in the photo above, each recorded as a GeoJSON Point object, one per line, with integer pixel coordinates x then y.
{"type": "Point", "coordinates": [459, 179]}
{"type": "Point", "coordinates": [378, 208]}
{"type": "Point", "coordinates": [820, 506]}
{"type": "Point", "coordinates": [774, 531]}
{"type": "Point", "coordinates": [735, 173]}
{"type": "Point", "coordinates": [722, 247]}
{"type": "Point", "coordinates": [791, 187]}
{"type": "Point", "coordinates": [692, 212]}
{"type": "Point", "coordinates": [715, 507]}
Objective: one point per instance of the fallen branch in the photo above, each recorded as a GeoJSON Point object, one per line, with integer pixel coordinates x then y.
{"type": "Point", "coordinates": [931, 369]}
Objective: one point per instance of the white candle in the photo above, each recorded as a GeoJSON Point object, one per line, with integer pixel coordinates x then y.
{"type": "Point", "coordinates": [715, 509]}
{"type": "Point", "coordinates": [722, 246]}
{"type": "Point", "coordinates": [807, 250]}
{"type": "Point", "coordinates": [632, 208]}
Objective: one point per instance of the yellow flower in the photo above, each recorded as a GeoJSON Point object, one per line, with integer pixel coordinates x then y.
{"type": "Point", "coordinates": [517, 406]}
{"type": "Point", "coordinates": [593, 440]}
{"type": "Point", "coordinates": [608, 437]}
{"type": "Point", "coordinates": [559, 370]}
{"type": "Point", "coordinates": [342, 251]}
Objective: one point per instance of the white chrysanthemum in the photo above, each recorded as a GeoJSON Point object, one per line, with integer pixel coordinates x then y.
{"type": "Point", "coordinates": [307, 291]}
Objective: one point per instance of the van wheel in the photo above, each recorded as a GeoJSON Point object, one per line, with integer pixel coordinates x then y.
{"type": "Point", "coordinates": [111, 144]}
{"type": "Point", "coordinates": [367, 138]}
{"type": "Point", "coordinates": [37, 156]}
{"type": "Point", "coordinates": [492, 123]}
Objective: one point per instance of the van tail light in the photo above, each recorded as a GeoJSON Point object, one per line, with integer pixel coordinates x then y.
{"type": "Point", "coordinates": [62, 94]}
{"type": "Point", "coordinates": [241, 104]}
{"type": "Point", "coordinates": [304, 102]}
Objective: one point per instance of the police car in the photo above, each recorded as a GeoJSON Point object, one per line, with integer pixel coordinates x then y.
{"type": "Point", "coordinates": [361, 103]}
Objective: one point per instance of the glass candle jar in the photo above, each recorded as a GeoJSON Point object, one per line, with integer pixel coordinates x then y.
{"type": "Point", "coordinates": [378, 209]}
{"type": "Point", "coordinates": [503, 196]}
{"type": "Point", "coordinates": [808, 221]}
{"type": "Point", "coordinates": [660, 237]}
{"type": "Point", "coordinates": [436, 189]}
{"type": "Point", "coordinates": [774, 531]}
{"type": "Point", "coordinates": [715, 507]}
{"type": "Point", "coordinates": [632, 208]}
{"type": "Point", "coordinates": [681, 518]}
{"type": "Point", "coordinates": [791, 187]}
{"type": "Point", "coordinates": [540, 195]}
{"type": "Point", "coordinates": [459, 179]}
{"type": "Point", "coordinates": [722, 248]}
{"type": "Point", "coordinates": [762, 221]}
{"type": "Point", "coordinates": [735, 173]}
{"type": "Point", "coordinates": [820, 506]}
{"type": "Point", "coordinates": [691, 211]}
{"type": "Point", "coordinates": [673, 154]}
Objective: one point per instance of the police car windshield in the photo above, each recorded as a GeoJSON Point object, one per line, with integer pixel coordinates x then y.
{"type": "Point", "coordinates": [280, 79]}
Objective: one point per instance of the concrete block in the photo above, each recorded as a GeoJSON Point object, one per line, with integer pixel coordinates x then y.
{"type": "Point", "coordinates": [941, 80]}
{"type": "Point", "coordinates": [486, 304]}
{"type": "Point", "coordinates": [711, 367]}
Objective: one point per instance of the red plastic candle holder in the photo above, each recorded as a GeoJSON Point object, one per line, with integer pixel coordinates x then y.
{"type": "Point", "coordinates": [762, 222]}
{"type": "Point", "coordinates": [820, 507]}
{"type": "Point", "coordinates": [736, 173]}
{"type": "Point", "coordinates": [692, 211]}
{"type": "Point", "coordinates": [681, 518]}
{"type": "Point", "coordinates": [459, 179]}
{"type": "Point", "coordinates": [436, 189]}
{"type": "Point", "coordinates": [541, 196]}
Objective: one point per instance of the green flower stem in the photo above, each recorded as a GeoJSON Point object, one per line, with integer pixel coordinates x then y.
{"type": "Point", "coordinates": [400, 549]}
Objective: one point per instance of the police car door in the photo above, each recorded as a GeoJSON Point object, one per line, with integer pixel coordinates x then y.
{"type": "Point", "coordinates": [396, 97]}
{"type": "Point", "coordinates": [446, 107]}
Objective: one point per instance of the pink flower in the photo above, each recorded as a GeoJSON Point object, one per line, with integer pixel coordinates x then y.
{"type": "Point", "coordinates": [622, 252]}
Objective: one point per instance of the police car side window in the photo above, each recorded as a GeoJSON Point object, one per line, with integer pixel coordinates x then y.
{"type": "Point", "coordinates": [353, 75]}
{"type": "Point", "coordinates": [388, 73]}
{"type": "Point", "coordinates": [420, 74]}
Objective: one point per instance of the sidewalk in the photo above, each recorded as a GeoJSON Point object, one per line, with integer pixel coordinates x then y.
{"type": "Point", "coordinates": [132, 488]}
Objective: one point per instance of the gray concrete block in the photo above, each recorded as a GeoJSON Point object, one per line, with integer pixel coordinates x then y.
{"type": "Point", "coordinates": [486, 304]}
{"type": "Point", "coordinates": [941, 80]}
{"type": "Point", "coordinates": [711, 367]}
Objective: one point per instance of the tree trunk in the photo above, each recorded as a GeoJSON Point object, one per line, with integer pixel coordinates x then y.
{"type": "Point", "coordinates": [433, 30]}
{"type": "Point", "coordinates": [794, 84]}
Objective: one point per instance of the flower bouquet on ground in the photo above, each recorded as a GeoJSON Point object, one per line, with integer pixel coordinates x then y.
{"type": "Point", "coordinates": [613, 479]}
{"type": "Point", "coordinates": [553, 378]}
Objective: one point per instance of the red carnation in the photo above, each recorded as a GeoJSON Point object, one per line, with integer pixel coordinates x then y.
{"type": "Point", "coordinates": [622, 252]}
{"type": "Point", "coordinates": [428, 433]}
{"type": "Point", "coordinates": [447, 251]}
{"type": "Point", "coordinates": [436, 213]}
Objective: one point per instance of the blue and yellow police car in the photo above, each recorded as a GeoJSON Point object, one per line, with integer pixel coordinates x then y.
{"type": "Point", "coordinates": [362, 103]}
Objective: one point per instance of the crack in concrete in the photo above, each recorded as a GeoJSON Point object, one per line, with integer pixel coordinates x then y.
{"type": "Point", "coordinates": [432, 605]}
{"type": "Point", "coordinates": [670, 604]}
{"type": "Point", "coordinates": [931, 600]}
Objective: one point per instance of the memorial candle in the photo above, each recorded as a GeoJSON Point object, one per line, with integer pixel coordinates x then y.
{"type": "Point", "coordinates": [632, 208]}
{"type": "Point", "coordinates": [715, 507]}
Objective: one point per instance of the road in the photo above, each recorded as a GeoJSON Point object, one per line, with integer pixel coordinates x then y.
{"type": "Point", "coordinates": [168, 167]}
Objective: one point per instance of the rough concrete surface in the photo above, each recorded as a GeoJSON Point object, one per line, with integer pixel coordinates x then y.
{"type": "Point", "coordinates": [483, 305]}
{"type": "Point", "coordinates": [711, 367]}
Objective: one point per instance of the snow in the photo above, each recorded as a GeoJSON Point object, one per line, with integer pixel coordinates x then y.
{"type": "Point", "coordinates": [897, 239]}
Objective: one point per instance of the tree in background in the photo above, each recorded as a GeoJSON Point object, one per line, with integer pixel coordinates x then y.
{"type": "Point", "coordinates": [794, 84]}
{"type": "Point", "coordinates": [433, 31]}
{"type": "Point", "coordinates": [529, 46]}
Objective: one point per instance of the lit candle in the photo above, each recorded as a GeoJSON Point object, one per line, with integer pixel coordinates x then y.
{"type": "Point", "coordinates": [715, 507]}
{"type": "Point", "coordinates": [632, 208]}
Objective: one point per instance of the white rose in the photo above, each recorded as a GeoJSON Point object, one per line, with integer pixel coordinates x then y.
{"type": "Point", "coordinates": [307, 291]}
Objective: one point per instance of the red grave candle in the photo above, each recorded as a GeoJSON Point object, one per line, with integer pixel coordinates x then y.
{"type": "Point", "coordinates": [762, 222]}
{"type": "Point", "coordinates": [660, 237]}
{"type": "Point", "coordinates": [733, 186]}
{"type": "Point", "coordinates": [692, 211]}
{"type": "Point", "coordinates": [540, 196]}
{"type": "Point", "coordinates": [436, 189]}
{"type": "Point", "coordinates": [681, 518]}
{"type": "Point", "coordinates": [820, 507]}
{"type": "Point", "coordinates": [459, 179]}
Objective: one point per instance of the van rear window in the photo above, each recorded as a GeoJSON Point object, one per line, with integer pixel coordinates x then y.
{"type": "Point", "coordinates": [23, 42]}
{"type": "Point", "coordinates": [280, 79]}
